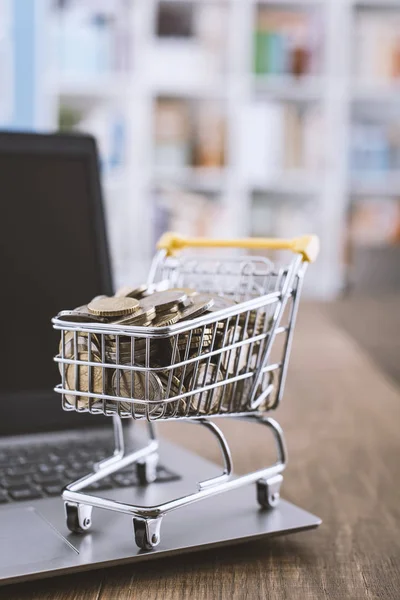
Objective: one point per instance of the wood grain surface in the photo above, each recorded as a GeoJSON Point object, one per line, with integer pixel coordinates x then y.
{"type": "Point", "coordinates": [341, 415]}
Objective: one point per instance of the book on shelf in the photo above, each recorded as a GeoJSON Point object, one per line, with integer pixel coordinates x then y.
{"type": "Point", "coordinates": [90, 41]}
{"type": "Point", "coordinates": [188, 45]}
{"type": "Point", "coordinates": [377, 46]}
{"type": "Point", "coordinates": [204, 21]}
{"type": "Point", "coordinates": [172, 147]}
{"type": "Point", "coordinates": [209, 136]}
{"type": "Point", "coordinates": [279, 138]}
{"type": "Point", "coordinates": [188, 133]}
{"type": "Point", "coordinates": [175, 20]}
{"type": "Point", "coordinates": [375, 222]}
{"type": "Point", "coordinates": [375, 147]}
{"type": "Point", "coordinates": [273, 217]}
{"type": "Point", "coordinates": [107, 124]}
{"type": "Point", "coordinates": [287, 42]}
{"type": "Point", "coordinates": [176, 209]}
{"type": "Point", "coordinates": [261, 151]}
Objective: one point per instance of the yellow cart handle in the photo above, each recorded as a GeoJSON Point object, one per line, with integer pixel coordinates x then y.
{"type": "Point", "coordinates": [306, 245]}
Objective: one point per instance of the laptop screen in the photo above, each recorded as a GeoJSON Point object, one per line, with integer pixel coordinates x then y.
{"type": "Point", "coordinates": [53, 256]}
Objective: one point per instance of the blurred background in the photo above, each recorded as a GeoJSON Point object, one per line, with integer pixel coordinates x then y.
{"type": "Point", "coordinates": [227, 118]}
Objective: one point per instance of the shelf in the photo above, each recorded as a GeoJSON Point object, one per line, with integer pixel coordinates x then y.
{"type": "Point", "coordinates": [197, 179]}
{"type": "Point", "coordinates": [281, 87]}
{"type": "Point", "coordinates": [376, 92]}
{"type": "Point", "coordinates": [183, 67]}
{"type": "Point", "coordinates": [204, 67]}
{"type": "Point", "coordinates": [195, 91]}
{"type": "Point", "coordinates": [80, 93]}
{"type": "Point", "coordinates": [223, 2]}
{"type": "Point", "coordinates": [285, 3]}
{"type": "Point", "coordinates": [292, 184]}
{"type": "Point", "coordinates": [378, 184]}
{"type": "Point", "coordinates": [384, 4]}
{"type": "Point", "coordinates": [291, 3]}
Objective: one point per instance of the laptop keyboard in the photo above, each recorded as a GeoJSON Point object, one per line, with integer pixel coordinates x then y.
{"type": "Point", "coordinates": [39, 471]}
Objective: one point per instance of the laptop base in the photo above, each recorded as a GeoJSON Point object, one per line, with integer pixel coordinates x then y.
{"type": "Point", "coordinates": [35, 542]}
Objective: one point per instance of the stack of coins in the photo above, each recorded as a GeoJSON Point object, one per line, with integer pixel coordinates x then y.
{"type": "Point", "coordinates": [162, 371]}
{"type": "Point", "coordinates": [206, 402]}
{"type": "Point", "coordinates": [80, 377]}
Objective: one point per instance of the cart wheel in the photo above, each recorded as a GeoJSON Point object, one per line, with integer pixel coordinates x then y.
{"type": "Point", "coordinates": [268, 491]}
{"type": "Point", "coordinates": [146, 469]}
{"type": "Point", "coordinates": [147, 532]}
{"type": "Point", "coordinates": [79, 517]}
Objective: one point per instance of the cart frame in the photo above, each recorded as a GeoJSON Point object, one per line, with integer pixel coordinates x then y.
{"type": "Point", "coordinates": [147, 519]}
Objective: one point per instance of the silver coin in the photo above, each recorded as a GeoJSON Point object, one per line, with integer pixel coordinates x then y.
{"type": "Point", "coordinates": [201, 303]}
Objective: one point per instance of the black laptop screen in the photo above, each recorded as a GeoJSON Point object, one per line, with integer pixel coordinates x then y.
{"type": "Point", "coordinates": [51, 258]}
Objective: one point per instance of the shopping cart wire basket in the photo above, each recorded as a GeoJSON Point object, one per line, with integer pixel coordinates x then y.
{"type": "Point", "coordinates": [233, 373]}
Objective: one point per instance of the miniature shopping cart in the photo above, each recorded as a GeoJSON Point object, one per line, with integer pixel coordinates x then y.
{"type": "Point", "coordinates": [234, 371]}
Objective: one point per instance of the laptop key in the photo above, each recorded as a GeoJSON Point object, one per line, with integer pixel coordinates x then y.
{"type": "Point", "coordinates": [75, 465]}
{"type": "Point", "coordinates": [44, 467]}
{"type": "Point", "coordinates": [52, 469]}
{"type": "Point", "coordinates": [52, 490]}
{"type": "Point", "coordinates": [20, 470]}
{"type": "Point", "coordinates": [3, 496]}
{"type": "Point", "coordinates": [50, 478]}
{"type": "Point", "coordinates": [71, 475]}
{"type": "Point", "coordinates": [43, 470]}
{"type": "Point", "coordinates": [14, 480]}
{"type": "Point", "coordinates": [24, 493]}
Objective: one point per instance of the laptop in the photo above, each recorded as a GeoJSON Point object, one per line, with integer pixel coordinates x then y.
{"type": "Point", "coordinates": [54, 255]}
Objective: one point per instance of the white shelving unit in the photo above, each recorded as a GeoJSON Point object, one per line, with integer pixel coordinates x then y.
{"type": "Point", "coordinates": [129, 193]}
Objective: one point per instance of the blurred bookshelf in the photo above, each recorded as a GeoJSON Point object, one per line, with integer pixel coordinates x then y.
{"type": "Point", "coordinates": [233, 118]}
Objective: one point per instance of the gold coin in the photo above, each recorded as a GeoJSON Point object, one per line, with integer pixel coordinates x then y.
{"type": "Point", "coordinates": [113, 307]}
{"type": "Point", "coordinates": [122, 340]}
{"type": "Point", "coordinates": [82, 345]}
{"type": "Point", "coordinates": [167, 320]}
{"type": "Point", "coordinates": [236, 358]}
{"type": "Point", "coordinates": [205, 402]}
{"type": "Point", "coordinates": [139, 318]}
{"type": "Point", "coordinates": [244, 387]}
{"type": "Point", "coordinates": [164, 300]}
{"type": "Point", "coordinates": [175, 383]}
{"type": "Point", "coordinates": [146, 303]}
{"type": "Point", "coordinates": [195, 347]}
{"type": "Point", "coordinates": [82, 339]}
{"type": "Point", "coordinates": [133, 385]}
{"type": "Point", "coordinates": [171, 409]}
{"type": "Point", "coordinates": [83, 380]}
{"type": "Point", "coordinates": [208, 330]}
{"type": "Point", "coordinates": [187, 291]}
{"type": "Point", "coordinates": [255, 322]}
{"type": "Point", "coordinates": [127, 291]}
{"type": "Point", "coordinates": [122, 349]}
{"type": "Point", "coordinates": [167, 311]}
{"type": "Point", "coordinates": [195, 339]}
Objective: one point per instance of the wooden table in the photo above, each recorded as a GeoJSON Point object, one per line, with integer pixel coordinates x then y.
{"type": "Point", "coordinates": [341, 416]}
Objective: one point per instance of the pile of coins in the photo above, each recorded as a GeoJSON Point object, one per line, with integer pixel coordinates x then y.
{"type": "Point", "coordinates": [168, 366]}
